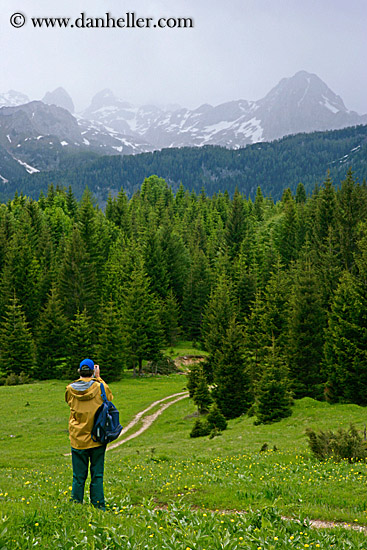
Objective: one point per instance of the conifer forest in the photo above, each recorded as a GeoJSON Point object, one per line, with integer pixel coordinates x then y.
{"type": "Point", "coordinates": [275, 292]}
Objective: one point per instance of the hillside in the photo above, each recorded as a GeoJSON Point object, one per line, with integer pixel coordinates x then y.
{"type": "Point", "coordinates": [162, 488]}
{"type": "Point", "coordinates": [274, 166]}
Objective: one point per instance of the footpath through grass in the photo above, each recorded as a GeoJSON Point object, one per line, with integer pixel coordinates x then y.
{"type": "Point", "coordinates": [167, 491]}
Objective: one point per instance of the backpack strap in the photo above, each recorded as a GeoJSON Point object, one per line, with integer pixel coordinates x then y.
{"type": "Point", "coordinates": [103, 393]}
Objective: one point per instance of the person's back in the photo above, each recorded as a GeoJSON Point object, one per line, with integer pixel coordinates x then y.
{"type": "Point", "coordinates": [84, 398]}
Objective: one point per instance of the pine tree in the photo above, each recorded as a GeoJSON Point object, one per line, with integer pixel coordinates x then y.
{"type": "Point", "coordinates": [117, 270]}
{"type": "Point", "coordinates": [22, 272]}
{"type": "Point", "coordinates": [193, 376]}
{"type": "Point", "coordinates": [155, 265]}
{"type": "Point", "coordinates": [175, 255]}
{"type": "Point", "coordinates": [215, 419]}
{"type": "Point", "coordinates": [51, 338]}
{"type": "Point", "coordinates": [305, 338]}
{"type": "Point", "coordinates": [301, 196]}
{"type": "Point", "coordinates": [245, 276]}
{"type": "Point", "coordinates": [259, 205]}
{"type": "Point", "coordinates": [170, 319]}
{"type": "Point", "coordinates": [232, 392]}
{"type": "Point", "coordinates": [72, 205]}
{"type": "Point", "coordinates": [17, 346]}
{"type": "Point", "coordinates": [287, 231]}
{"type": "Point", "coordinates": [202, 397]}
{"type": "Point", "coordinates": [273, 322]}
{"type": "Point", "coordinates": [329, 267]}
{"type": "Point", "coordinates": [236, 225]}
{"type": "Point", "coordinates": [200, 428]}
{"type": "Point", "coordinates": [110, 348]}
{"type": "Point", "coordinates": [196, 294]}
{"type": "Point", "coordinates": [273, 399]}
{"type": "Point", "coordinates": [217, 316]}
{"type": "Point", "coordinates": [255, 339]}
{"type": "Point", "coordinates": [142, 331]}
{"type": "Point", "coordinates": [326, 209]}
{"type": "Point", "coordinates": [346, 336]}
{"type": "Point", "coordinates": [81, 342]}
{"type": "Point", "coordinates": [352, 206]}
{"type": "Point", "coordinates": [77, 279]}
{"type": "Point", "coordinates": [117, 211]}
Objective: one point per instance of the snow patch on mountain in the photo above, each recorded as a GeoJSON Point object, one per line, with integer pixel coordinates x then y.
{"type": "Point", "coordinates": [30, 169]}
{"type": "Point", "coordinates": [328, 105]}
{"type": "Point", "coordinates": [302, 103]}
{"type": "Point", "coordinates": [12, 99]}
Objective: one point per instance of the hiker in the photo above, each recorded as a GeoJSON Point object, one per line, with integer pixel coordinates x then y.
{"type": "Point", "coordinates": [84, 398]}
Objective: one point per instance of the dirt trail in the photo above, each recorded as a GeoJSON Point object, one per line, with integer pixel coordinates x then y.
{"type": "Point", "coordinates": [320, 524]}
{"type": "Point", "coordinates": [147, 421]}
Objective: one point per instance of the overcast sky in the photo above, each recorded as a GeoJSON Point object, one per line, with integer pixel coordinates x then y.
{"type": "Point", "coordinates": [238, 49]}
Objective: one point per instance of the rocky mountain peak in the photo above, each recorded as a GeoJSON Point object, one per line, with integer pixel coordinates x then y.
{"type": "Point", "coordinates": [302, 89]}
{"type": "Point", "coordinates": [60, 98]}
{"type": "Point", "coordinates": [106, 99]}
{"type": "Point", "coordinates": [12, 98]}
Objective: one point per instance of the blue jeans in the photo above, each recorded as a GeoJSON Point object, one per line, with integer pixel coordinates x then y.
{"type": "Point", "coordinates": [80, 460]}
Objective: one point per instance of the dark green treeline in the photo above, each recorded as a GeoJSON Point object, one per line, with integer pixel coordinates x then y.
{"type": "Point", "coordinates": [276, 293]}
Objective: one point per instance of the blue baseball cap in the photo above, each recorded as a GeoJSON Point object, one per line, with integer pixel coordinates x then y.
{"type": "Point", "coordinates": [87, 365]}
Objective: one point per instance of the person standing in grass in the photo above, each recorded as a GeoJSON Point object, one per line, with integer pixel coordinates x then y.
{"type": "Point", "coordinates": [84, 398]}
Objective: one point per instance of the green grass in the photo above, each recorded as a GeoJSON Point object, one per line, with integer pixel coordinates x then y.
{"type": "Point", "coordinates": [174, 484]}
{"type": "Point", "coordinates": [39, 431]}
{"type": "Point", "coordinates": [184, 348]}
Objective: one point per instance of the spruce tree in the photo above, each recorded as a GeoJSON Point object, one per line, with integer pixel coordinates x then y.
{"type": "Point", "coordinates": [259, 205]}
{"type": "Point", "coordinates": [202, 397]}
{"type": "Point", "coordinates": [306, 333]}
{"type": "Point", "coordinates": [346, 337]}
{"type": "Point", "coordinates": [175, 255]}
{"type": "Point", "coordinates": [217, 316]}
{"type": "Point", "coordinates": [215, 419]}
{"type": "Point", "coordinates": [326, 210]}
{"type": "Point", "coordinates": [22, 271]}
{"type": "Point", "coordinates": [273, 397]}
{"type": "Point", "coordinates": [17, 346]}
{"type": "Point", "coordinates": [72, 205]}
{"type": "Point", "coordinates": [287, 230]}
{"type": "Point", "coordinates": [255, 339]}
{"type": "Point", "coordinates": [155, 265]}
{"type": "Point", "coordinates": [200, 428]}
{"type": "Point", "coordinates": [110, 348]}
{"type": "Point", "coordinates": [77, 279]}
{"type": "Point", "coordinates": [52, 341]}
{"type": "Point", "coordinates": [81, 342]}
{"type": "Point", "coordinates": [142, 331]}
{"type": "Point", "coordinates": [117, 270]}
{"type": "Point", "coordinates": [273, 322]}
{"type": "Point", "coordinates": [351, 210]}
{"type": "Point", "coordinates": [245, 276]}
{"type": "Point", "coordinates": [196, 294]}
{"type": "Point", "coordinates": [193, 376]}
{"type": "Point", "coordinates": [301, 196]}
{"type": "Point", "coordinates": [170, 319]}
{"type": "Point", "coordinates": [232, 391]}
{"type": "Point", "coordinates": [117, 211]}
{"type": "Point", "coordinates": [236, 225]}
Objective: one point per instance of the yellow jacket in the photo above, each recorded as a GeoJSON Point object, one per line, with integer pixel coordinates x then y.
{"type": "Point", "coordinates": [84, 398]}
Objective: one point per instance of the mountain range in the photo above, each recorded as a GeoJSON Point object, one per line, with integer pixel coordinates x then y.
{"type": "Point", "coordinates": [43, 135]}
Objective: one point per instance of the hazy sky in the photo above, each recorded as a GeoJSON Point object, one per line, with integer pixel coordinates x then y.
{"type": "Point", "coordinates": [238, 49]}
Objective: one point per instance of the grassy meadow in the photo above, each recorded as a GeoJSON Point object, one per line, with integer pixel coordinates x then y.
{"type": "Point", "coordinates": [167, 491]}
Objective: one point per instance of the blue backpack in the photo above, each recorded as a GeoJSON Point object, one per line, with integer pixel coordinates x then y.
{"type": "Point", "coordinates": [107, 425]}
